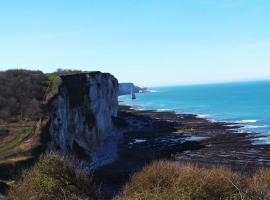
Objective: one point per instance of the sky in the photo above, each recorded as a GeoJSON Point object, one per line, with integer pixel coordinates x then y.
{"type": "Point", "coordinates": [148, 42]}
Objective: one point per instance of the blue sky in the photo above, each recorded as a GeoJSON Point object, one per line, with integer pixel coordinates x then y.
{"type": "Point", "coordinates": [149, 42]}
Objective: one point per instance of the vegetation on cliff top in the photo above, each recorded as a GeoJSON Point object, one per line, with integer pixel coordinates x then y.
{"type": "Point", "coordinates": [21, 92]}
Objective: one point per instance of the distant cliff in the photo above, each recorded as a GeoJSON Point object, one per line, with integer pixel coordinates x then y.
{"type": "Point", "coordinates": [128, 88]}
{"type": "Point", "coordinates": [81, 117]}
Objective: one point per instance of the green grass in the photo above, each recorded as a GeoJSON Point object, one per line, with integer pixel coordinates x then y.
{"type": "Point", "coordinates": [53, 85]}
{"type": "Point", "coordinates": [54, 81]}
{"type": "Point", "coordinates": [6, 148]}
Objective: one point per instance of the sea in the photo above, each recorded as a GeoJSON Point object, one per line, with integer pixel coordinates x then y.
{"type": "Point", "coordinates": [245, 103]}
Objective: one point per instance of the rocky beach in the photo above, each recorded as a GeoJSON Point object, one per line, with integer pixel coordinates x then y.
{"type": "Point", "coordinates": [152, 135]}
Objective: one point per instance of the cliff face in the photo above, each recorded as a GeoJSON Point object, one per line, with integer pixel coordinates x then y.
{"type": "Point", "coordinates": [128, 88]}
{"type": "Point", "coordinates": [82, 117]}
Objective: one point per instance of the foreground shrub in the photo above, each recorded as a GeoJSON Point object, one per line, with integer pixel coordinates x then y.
{"type": "Point", "coordinates": [259, 185]}
{"type": "Point", "coordinates": [170, 181]}
{"type": "Point", "coordinates": [53, 177]}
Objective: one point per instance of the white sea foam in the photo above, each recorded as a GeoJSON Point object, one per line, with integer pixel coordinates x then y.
{"type": "Point", "coordinates": [203, 116]}
{"type": "Point", "coordinates": [246, 121]}
{"type": "Point", "coordinates": [138, 141]}
{"type": "Point", "coordinates": [254, 126]}
{"type": "Point", "coordinates": [140, 109]}
{"type": "Point", "coordinates": [163, 110]}
{"type": "Point", "coordinates": [260, 138]}
{"type": "Point", "coordinates": [152, 91]}
{"type": "Point", "coordinates": [241, 131]}
{"type": "Point", "coordinates": [195, 138]}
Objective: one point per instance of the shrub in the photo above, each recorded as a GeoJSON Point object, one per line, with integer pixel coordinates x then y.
{"type": "Point", "coordinates": [259, 185]}
{"type": "Point", "coordinates": [171, 181]}
{"type": "Point", "coordinates": [21, 93]}
{"type": "Point", "coordinates": [53, 177]}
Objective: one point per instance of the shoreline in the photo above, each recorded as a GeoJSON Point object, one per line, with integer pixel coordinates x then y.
{"type": "Point", "coordinates": [153, 135]}
{"type": "Point", "coordinates": [243, 125]}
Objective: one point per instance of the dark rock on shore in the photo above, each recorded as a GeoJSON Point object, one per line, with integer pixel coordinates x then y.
{"type": "Point", "coordinates": [153, 135]}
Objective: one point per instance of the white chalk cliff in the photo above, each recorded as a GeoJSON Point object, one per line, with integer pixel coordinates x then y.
{"type": "Point", "coordinates": [81, 117]}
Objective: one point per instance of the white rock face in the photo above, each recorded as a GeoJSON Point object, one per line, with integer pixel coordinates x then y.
{"type": "Point", "coordinates": [127, 88]}
{"type": "Point", "coordinates": [82, 117]}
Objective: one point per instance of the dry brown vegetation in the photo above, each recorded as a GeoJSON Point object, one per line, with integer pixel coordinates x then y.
{"type": "Point", "coordinates": [54, 178]}
{"type": "Point", "coordinates": [171, 181]}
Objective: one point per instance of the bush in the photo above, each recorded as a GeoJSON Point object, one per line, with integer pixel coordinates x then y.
{"type": "Point", "coordinates": [21, 94]}
{"type": "Point", "coordinates": [53, 177]}
{"type": "Point", "coordinates": [259, 185]}
{"type": "Point", "coordinates": [167, 180]}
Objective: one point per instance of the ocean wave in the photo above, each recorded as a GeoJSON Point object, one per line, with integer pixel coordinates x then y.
{"type": "Point", "coordinates": [163, 110]}
{"type": "Point", "coordinates": [246, 121]}
{"type": "Point", "coordinates": [153, 91]}
{"type": "Point", "coordinates": [255, 126]}
{"type": "Point", "coordinates": [203, 116]}
{"type": "Point", "coordinates": [241, 131]}
{"type": "Point", "coordinates": [260, 138]}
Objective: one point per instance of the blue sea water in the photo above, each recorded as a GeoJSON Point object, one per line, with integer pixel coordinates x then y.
{"type": "Point", "coordinates": [247, 103]}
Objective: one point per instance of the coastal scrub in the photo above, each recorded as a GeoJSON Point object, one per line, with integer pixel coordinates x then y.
{"type": "Point", "coordinates": [169, 180]}
{"type": "Point", "coordinates": [54, 177]}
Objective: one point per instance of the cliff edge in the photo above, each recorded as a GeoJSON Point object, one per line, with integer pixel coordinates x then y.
{"type": "Point", "coordinates": [82, 115]}
{"type": "Point", "coordinates": [128, 88]}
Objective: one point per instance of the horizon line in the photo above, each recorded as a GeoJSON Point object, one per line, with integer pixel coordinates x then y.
{"type": "Point", "coordinates": [212, 83]}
